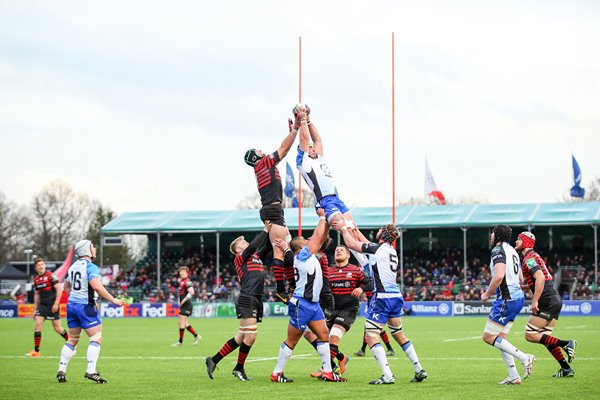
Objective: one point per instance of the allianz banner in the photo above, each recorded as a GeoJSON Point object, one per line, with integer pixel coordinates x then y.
{"type": "Point", "coordinates": [420, 308]}
{"type": "Point", "coordinates": [8, 311]}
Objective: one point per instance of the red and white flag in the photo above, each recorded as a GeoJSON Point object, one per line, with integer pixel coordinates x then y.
{"type": "Point", "coordinates": [430, 187]}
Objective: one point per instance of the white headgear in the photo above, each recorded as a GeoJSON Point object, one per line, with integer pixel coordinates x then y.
{"type": "Point", "coordinates": [83, 248]}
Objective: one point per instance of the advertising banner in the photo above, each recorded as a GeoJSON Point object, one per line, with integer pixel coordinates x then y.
{"type": "Point", "coordinates": [420, 308]}
{"type": "Point", "coordinates": [139, 310]}
{"type": "Point", "coordinates": [8, 311]}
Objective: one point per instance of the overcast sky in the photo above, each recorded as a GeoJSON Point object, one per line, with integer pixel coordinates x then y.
{"type": "Point", "coordinates": [150, 105]}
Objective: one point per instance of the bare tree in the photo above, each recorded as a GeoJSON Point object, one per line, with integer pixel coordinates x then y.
{"type": "Point", "coordinates": [61, 216]}
{"type": "Point", "coordinates": [15, 227]}
{"type": "Point", "coordinates": [253, 201]}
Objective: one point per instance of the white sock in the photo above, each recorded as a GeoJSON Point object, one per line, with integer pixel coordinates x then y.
{"type": "Point", "coordinates": [509, 361]}
{"type": "Point", "coordinates": [379, 354]}
{"type": "Point", "coordinates": [93, 352]}
{"type": "Point", "coordinates": [323, 350]}
{"type": "Point", "coordinates": [284, 355]}
{"type": "Point", "coordinates": [505, 346]}
{"type": "Point", "coordinates": [410, 352]}
{"type": "Point", "coordinates": [68, 351]}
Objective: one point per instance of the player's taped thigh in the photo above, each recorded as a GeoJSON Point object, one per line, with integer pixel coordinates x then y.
{"type": "Point", "coordinates": [493, 328]}
{"type": "Point", "coordinates": [334, 214]}
{"type": "Point", "coordinates": [337, 331]}
{"type": "Point", "coordinates": [96, 337]}
{"type": "Point", "coordinates": [248, 329]}
{"type": "Point", "coordinates": [373, 329]}
{"type": "Point", "coordinates": [395, 329]}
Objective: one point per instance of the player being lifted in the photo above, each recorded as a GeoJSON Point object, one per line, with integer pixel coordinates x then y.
{"type": "Point", "coordinates": [48, 291]}
{"type": "Point", "coordinates": [545, 306]}
{"type": "Point", "coordinates": [506, 273]}
{"type": "Point", "coordinates": [271, 197]}
{"type": "Point", "coordinates": [83, 285]}
{"type": "Point", "coordinates": [304, 308]}
{"type": "Point", "coordinates": [387, 301]}
{"type": "Point", "coordinates": [249, 307]}
{"type": "Point", "coordinates": [186, 292]}
{"type": "Point", "coordinates": [316, 173]}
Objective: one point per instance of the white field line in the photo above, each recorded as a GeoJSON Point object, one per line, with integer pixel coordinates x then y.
{"type": "Point", "coordinates": [461, 339]}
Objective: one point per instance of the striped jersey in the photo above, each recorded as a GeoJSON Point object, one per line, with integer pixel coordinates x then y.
{"type": "Point", "coordinates": [343, 280]}
{"type": "Point", "coordinates": [79, 276]}
{"type": "Point", "coordinates": [510, 287]}
{"type": "Point", "coordinates": [531, 263]}
{"type": "Point", "coordinates": [44, 285]}
{"type": "Point", "coordinates": [268, 179]}
{"type": "Point", "coordinates": [184, 284]}
{"type": "Point", "coordinates": [249, 266]}
{"type": "Point", "coordinates": [309, 277]}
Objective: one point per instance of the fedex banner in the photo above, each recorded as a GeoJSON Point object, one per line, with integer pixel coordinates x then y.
{"type": "Point", "coordinates": [139, 310]}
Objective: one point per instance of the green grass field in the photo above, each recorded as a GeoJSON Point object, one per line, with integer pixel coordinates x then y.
{"type": "Point", "coordinates": [138, 362]}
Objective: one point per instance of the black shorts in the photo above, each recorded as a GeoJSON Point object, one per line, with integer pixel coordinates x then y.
{"type": "Point", "coordinates": [550, 306]}
{"type": "Point", "coordinates": [248, 306]}
{"type": "Point", "coordinates": [327, 303]}
{"type": "Point", "coordinates": [44, 310]}
{"type": "Point", "coordinates": [186, 308]}
{"type": "Point", "coordinates": [343, 318]}
{"type": "Point", "coordinates": [273, 213]}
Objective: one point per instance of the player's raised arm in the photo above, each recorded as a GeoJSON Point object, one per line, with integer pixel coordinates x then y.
{"type": "Point", "coordinates": [349, 239]}
{"type": "Point", "coordinates": [287, 143]}
{"type": "Point", "coordinates": [315, 136]}
{"type": "Point", "coordinates": [318, 236]}
{"type": "Point", "coordinates": [301, 122]}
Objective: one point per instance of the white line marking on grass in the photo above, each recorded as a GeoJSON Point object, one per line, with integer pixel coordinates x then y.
{"type": "Point", "coordinates": [576, 327]}
{"type": "Point", "coordinates": [461, 339]}
{"type": "Point", "coordinates": [275, 358]}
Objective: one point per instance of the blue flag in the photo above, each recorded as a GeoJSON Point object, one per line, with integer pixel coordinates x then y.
{"type": "Point", "coordinates": [289, 181]}
{"type": "Point", "coordinates": [576, 190]}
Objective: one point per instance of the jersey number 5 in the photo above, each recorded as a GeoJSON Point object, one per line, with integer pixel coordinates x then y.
{"type": "Point", "coordinates": [76, 280]}
{"type": "Point", "coordinates": [393, 262]}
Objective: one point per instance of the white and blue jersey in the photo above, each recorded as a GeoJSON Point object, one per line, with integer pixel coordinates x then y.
{"type": "Point", "coordinates": [304, 305]}
{"type": "Point", "coordinates": [309, 277]}
{"type": "Point", "coordinates": [383, 261]}
{"type": "Point", "coordinates": [510, 287]}
{"type": "Point", "coordinates": [81, 307]}
{"type": "Point", "coordinates": [316, 174]}
{"type": "Point", "coordinates": [387, 301]}
{"type": "Point", "coordinates": [79, 276]}
{"type": "Point", "coordinates": [509, 296]}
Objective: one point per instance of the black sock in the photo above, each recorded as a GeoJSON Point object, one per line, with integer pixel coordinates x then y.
{"type": "Point", "coordinates": [227, 348]}
{"type": "Point", "coordinates": [314, 343]}
{"type": "Point", "coordinates": [244, 350]}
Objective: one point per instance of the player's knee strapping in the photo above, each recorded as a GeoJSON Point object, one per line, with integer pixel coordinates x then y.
{"type": "Point", "coordinates": [248, 329]}
{"type": "Point", "coordinates": [373, 329]}
{"type": "Point", "coordinates": [337, 331]}
{"type": "Point", "coordinates": [533, 329]}
{"type": "Point", "coordinates": [395, 329]}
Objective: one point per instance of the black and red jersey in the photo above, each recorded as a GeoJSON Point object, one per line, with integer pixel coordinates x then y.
{"type": "Point", "coordinates": [343, 281]}
{"type": "Point", "coordinates": [184, 284]}
{"type": "Point", "coordinates": [268, 179]}
{"type": "Point", "coordinates": [531, 263]}
{"type": "Point", "coordinates": [44, 285]}
{"type": "Point", "coordinates": [249, 266]}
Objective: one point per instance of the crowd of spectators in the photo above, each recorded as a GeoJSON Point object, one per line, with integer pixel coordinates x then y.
{"type": "Point", "coordinates": [428, 275]}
